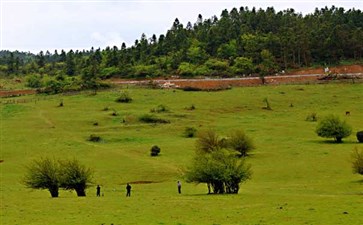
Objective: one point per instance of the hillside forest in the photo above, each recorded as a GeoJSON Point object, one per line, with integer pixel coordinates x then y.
{"type": "Point", "coordinates": [242, 42]}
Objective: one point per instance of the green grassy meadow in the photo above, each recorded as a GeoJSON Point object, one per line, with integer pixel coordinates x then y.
{"type": "Point", "coordinates": [298, 177]}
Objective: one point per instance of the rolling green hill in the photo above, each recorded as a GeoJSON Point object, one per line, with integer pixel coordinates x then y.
{"type": "Point", "coordinates": [298, 177]}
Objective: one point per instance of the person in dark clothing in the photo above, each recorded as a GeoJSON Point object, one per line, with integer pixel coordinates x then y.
{"type": "Point", "coordinates": [98, 193]}
{"type": "Point", "coordinates": [179, 187]}
{"type": "Point", "coordinates": [128, 190]}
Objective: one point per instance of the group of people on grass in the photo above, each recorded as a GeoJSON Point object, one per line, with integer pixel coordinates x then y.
{"type": "Point", "coordinates": [128, 189]}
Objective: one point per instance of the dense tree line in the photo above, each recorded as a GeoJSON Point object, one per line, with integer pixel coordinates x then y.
{"type": "Point", "coordinates": [240, 42]}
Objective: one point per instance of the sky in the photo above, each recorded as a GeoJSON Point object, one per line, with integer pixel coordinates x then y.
{"type": "Point", "coordinates": [41, 25]}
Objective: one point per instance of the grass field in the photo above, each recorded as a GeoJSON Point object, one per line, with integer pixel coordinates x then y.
{"type": "Point", "coordinates": [298, 177]}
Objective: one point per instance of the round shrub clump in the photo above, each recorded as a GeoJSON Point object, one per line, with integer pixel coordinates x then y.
{"type": "Point", "coordinates": [94, 138]}
{"type": "Point", "coordinates": [360, 136]}
{"type": "Point", "coordinates": [155, 150]}
{"type": "Point", "coordinates": [124, 98]}
{"type": "Point", "coordinates": [190, 132]}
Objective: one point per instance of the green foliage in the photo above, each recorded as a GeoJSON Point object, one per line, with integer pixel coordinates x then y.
{"type": "Point", "coordinates": [209, 141]}
{"type": "Point", "coordinates": [145, 70]}
{"type": "Point", "coordinates": [242, 65]}
{"type": "Point", "coordinates": [75, 176]}
{"type": "Point", "coordinates": [268, 65]}
{"type": "Point", "coordinates": [51, 174]}
{"type": "Point", "coordinates": [220, 170]}
{"type": "Point", "coordinates": [124, 97]}
{"type": "Point", "coordinates": [196, 53]}
{"type": "Point", "coordinates": [217, 65]}
{"type": "Point", "coordinates": [240, 142]}
{"type": "Point", "coordinates": [43, 173]}
{"type": "Point", "coordinates": [155, 150]}
{"type": "Point", "coordinates": [109, 72]}
{"type": "Point", "coordinates": [332, 127]}
{"type": "Point", "coordinates": [34, 81]}
{"type": "Point", "coordinates": [265, 40]}
{"type": "Point", "coordinates": [186, 69]}
{"type": "Point", "coordinates": [190, 132]}
{"type": "Point", "coordinates": [357, 161]}
{"type": "Point", "coordinates": [228, 50]}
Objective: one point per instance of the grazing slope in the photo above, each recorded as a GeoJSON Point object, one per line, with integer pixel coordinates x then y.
{"type": "Point", "coordinates": [298, 177]}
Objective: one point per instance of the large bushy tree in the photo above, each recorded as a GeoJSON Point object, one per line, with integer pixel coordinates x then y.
{"type": "Point", "coordinates": [43, 173]}
{"type": "Point", "coordinates": [220, 170]}
{"type": "Point", "coordinates": [217, 166]}
{"type": "Point", "coordinates": [239, 141]}
{"type": "Point", "coordinates": [52, 174]}
{"type": "Point", "coordinates": [75, 176]}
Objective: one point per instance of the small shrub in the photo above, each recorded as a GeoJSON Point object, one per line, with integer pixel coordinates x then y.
{"type": "Point", "coordinates": [160, 109]}
{"type": "Point", "coordinates": [360, 136]}
{"type": "Point", "coordinates": [124, 98]}
{"type": "Point", "coordinates": [95, 124]}
{"type": "Point", "coordinates": [114, 113]}
{"type": "Point", "coordinates": [312, 117]}
{"type": "Point", "coordinates": [268, 107]}
{"type": "Point", "coordinates": [147, 118]}
{"type": "Point", "coordinates": [94, 138]}
{"type": "Point", "coordinates": [192, 107]}
{"type": "Point", "coordinates": [357, 157]}
{"type": "Point", "coordinates": [333, 127]}
{"type": "Point", "coordinates": [106, 108]}
{"type": "Point", "coordinates": [155, 150]}
{"type": "Point", "coordinates": [190, 132]}
{"type": "Point", "coordinates": [240, 142]}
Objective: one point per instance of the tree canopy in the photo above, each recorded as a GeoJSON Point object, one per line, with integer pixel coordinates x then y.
{"type": "Point", "coordinates": [240, 42]}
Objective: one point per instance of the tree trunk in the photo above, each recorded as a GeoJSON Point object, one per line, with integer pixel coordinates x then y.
{"type": "Point", "coordinates": [81, 192]}
{"type": "Point", "coordinates": [338, 139]}
{"type": "Point", "coordinates": [54, 192]}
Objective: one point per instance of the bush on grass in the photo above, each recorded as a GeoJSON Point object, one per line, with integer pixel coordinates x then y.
{"type": "Point", "coordinates": [124, 97]}
{"type": "Point", "coordinates": [94, 138]}
{"type": "Point", "coordinates": [332, 127]}
{"type": "Point", "coordinates": [147, 118]}
{"type": "Point", "coordinates": [190, 132]}
{"type": "Point", "coordinates": [155, 150]}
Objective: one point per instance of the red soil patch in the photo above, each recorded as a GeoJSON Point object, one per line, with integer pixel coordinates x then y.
{"type": "Point", "coordinates": [298, 76]}
{"type": "Point", "coordinates": [16, 93]}
{"type": "Point", "coordinates": [210, 84]}
{"type": "Point", "coordinates": [337, 69]}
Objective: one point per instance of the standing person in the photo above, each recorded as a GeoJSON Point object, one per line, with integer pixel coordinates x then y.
{"type": "Point", "coordinates": [98, 193]}
{"type": "Point", "coordinates": [179, 187]}
{"type": "Point", "coordinates": [128, 190]}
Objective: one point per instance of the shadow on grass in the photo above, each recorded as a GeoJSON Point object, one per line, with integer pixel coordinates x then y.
{"type": "Point", "coordinates": [357, 182]}
{"type": "Point", "coordinates": [332, 142]}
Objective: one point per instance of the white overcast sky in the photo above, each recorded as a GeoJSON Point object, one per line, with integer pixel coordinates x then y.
{"type": "Point", "coordinates": [35, 25]}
